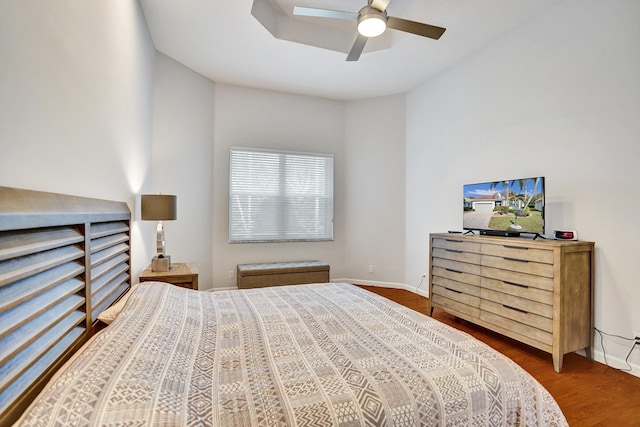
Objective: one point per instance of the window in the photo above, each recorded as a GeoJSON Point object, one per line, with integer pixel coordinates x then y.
{"type": "Point", "coordinates": [279, 196]}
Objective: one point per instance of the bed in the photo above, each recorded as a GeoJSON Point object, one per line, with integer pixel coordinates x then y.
{"type": "Point", "coordinates": [304, 355]}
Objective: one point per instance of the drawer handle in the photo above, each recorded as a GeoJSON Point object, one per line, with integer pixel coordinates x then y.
{"type": "Point", "coordinates": [515, 309]}
{"type": "Point", "coordinates": [453, 240]}
{"type": "Point", "coordinates": [453, 271]}
{"type": "Point", "coordinates": [454, 251]}
{"type": "Point", "coordinates": [515, 284]}
{"type": "Point", "coordinates": [453, 290]}
{"type": "Point", "coordinates": [514, 259]}
{"type": "Point", "coordinates": [515, 247]}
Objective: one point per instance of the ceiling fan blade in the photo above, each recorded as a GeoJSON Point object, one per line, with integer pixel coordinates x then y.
{"type": "Point", "coordinates": [357, 48]}
{"type": "Point", "coordinates": [324, 13]}
{"type": "Point", "coordinates": [418, 28]}
{"type": "Point", "coordinates": [381, 5]}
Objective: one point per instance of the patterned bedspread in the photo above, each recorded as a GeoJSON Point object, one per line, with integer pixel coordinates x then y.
{"type": "Point", "coordinates": [307, 355]}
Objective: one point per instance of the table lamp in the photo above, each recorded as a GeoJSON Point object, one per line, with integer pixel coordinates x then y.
{"type": "Point", "coordinates": [159, 207]}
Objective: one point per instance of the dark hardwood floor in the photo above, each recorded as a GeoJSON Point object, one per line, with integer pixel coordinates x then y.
{"type": "Point", "coordinates": [589, 393]}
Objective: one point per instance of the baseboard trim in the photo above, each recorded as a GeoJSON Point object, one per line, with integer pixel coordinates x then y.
{"type": "Point", "coordinates": [615, 362]}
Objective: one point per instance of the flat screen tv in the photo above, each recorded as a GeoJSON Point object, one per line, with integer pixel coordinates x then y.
{"type": "Point", "coordinates": [507, 208]}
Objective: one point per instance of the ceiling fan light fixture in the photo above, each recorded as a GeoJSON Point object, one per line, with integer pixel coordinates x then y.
{"type": "Point", "coordinates": [371, 22]}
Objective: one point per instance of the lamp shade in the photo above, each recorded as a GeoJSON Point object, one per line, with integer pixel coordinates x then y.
{"type": "Point", "coordinates": [159, 207]}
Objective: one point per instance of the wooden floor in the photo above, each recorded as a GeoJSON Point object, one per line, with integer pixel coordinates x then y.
{"type": "Point", "coordinates": [589, 393]}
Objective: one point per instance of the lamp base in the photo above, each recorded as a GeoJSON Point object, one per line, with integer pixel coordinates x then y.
{"type": "Point", "coordinates": [161, 264]}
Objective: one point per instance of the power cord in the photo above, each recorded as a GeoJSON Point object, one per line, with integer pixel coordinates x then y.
{"type": "Point", "coordinates": [604, 352]}
{"type": "Point", "coordinates": [420, 284]}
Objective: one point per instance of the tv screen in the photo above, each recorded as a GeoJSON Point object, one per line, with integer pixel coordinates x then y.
{"type": "Point", "coordinates": [505, 207]}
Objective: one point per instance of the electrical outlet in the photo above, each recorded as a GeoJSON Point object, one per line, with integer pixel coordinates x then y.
{"type": "Point", "coordinates": [232, 274]}
{"type": "Point", "coordinates": [372, 268]}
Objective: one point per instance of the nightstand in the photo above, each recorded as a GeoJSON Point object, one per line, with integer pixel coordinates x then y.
{"type": "Point", "coordinates": [183, 275]}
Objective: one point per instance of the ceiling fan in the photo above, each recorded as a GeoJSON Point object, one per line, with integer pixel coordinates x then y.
{"type": "Point", "coordinates": [372, 21]}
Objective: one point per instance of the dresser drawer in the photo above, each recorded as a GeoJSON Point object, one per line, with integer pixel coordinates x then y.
{"type": "Point", "coordinates": [516, 303]}
{"type": "Point", "coordinates": [524, 327]}
{"type": "Point", "coordinates": [454, 305]}
{"type": "Point", "coordinates": [456, 245]}
{"type": "Point", "coordinates": [517, 290]}
{"type": "Point", "coordinates": [522, 253]}
{"type": "Point", "coordinates": [456, 266]}
{"type": "Point", "coordinates": [523, 279]}
{"type": "Point", "coordinates": [455, 274]}
{"type": "Point", "coordinates": [455, 285]}
{"type": "Point", "coordinates": [454, 254]}
{"type": "Point", "coordinates": [519, 265]}
{"type": "Point", "coordinates": [451, 293]}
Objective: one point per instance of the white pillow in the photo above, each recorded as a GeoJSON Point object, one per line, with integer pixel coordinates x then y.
{"type": "Point", "coordinates": [110, 314]}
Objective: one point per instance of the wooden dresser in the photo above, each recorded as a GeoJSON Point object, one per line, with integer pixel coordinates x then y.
{"type": "Point", "coordinates": [539, 292]}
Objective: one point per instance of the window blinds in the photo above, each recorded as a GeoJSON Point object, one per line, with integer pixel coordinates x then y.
{"type": "Point", "coordinates": [277, 196]}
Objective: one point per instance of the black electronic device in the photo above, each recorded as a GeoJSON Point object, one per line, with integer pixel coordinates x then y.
{"type": "Point", "coordinates": [499, 233]}
{"type": "Point", "coordinates": [565, 234]}
{"type": "Point", "coordinates": [505, 207]}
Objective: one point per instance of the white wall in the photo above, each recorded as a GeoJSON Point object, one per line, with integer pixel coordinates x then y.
{"type": "Point", "coordinates": [558, 97]}
{"type": "Point", "coordinates": [374, 188]}
{"type": "Point", "coordinates": [191, 159]}
{"type": "Point", "coordinates": [247, 117]}
{"type": "Point", "coordinates": [183, 123]}
{"type": "Point", "coordinates": [75, 103]}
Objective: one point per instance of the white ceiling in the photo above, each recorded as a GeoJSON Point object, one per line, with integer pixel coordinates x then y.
{"type": "Point", "coordinates": [224, 42]}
